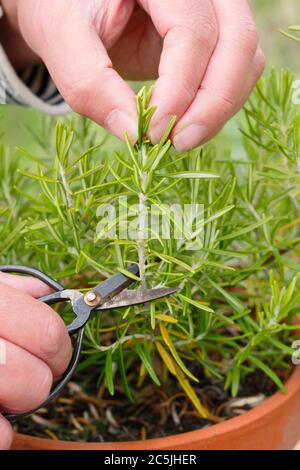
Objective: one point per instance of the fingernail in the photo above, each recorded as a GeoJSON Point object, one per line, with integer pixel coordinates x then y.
{"type": "Point", "coordinates": [158, 131]}
{"type": "Point", "coordinates": [120, 122]}
{"type": "Point", "coordinates": [189, 138]}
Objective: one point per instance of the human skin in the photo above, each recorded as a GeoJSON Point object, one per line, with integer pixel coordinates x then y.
{"type": "Point", "coordinates": [204, 55]}
{"type": "Point", "coordinates": [35, 348]}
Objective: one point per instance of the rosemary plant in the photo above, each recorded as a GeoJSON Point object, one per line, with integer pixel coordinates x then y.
{"type": "Point", "coordinates": [239, 290]}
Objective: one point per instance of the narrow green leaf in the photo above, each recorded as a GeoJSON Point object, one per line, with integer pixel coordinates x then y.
{"type": "Point", "coordinates": [124, 376]}
{"type": "Point", "coordinates": [196, 303]}
{"type": "Point", "coordinates": [235, 381]}
{"type": "Point", "coordinates": [266, 369]}
{"type": "Point", "coordinates": [109, 373]}
{"type": "Point", "coordinates": [129, 274]}
{"type": "Point", "coordinates": [232, 300]}
{"type": "Point", "coordinates": [168, 131]}
{"type": "Point", "coordinates": [38, 177]}
{"type": "Point", "coordinates": [144, 356]}
{"type": "Point", "coordinates": [171, 259]}
{"type": "Point", "coordinates": [244, 231]}
{"type": "Point", "coordinates": [190, 175]}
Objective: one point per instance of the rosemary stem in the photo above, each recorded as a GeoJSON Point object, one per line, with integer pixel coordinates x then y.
{"type": "Point", "coordinates": [142, 224]}
{"type": "Point", "coordinates": [66, 187]}
{"type": "Point", "coordinates": [70, 205]}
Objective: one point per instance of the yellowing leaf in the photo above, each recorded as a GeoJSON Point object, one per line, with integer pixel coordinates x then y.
{"type": "Point", "coordinates": [168, 341]}
{"type": "Point", "coordinates": [167, 359]}
{"type": "Point", "coordinates": [186, 386]}
{"type": "Point", "coordinates": [166, 318]}
{"type": "Point", "coordinates": [164, 334]}
{"type": "Point", "coordinates": [180, 335]}
{"type": "Point", "coordinates": [190, 392]}
{"type": "Point", "coordinates": [142, 375]}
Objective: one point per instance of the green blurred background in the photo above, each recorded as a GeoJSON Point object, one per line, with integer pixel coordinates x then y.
{"type": "Point", "coordinates": [280, 52]}
{"type": "Point", "coordinates": [272, 15]}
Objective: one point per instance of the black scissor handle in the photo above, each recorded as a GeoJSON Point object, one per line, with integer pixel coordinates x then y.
{"type": "Point", "coordinates": [59, 385]}
{"type": "Point", "coordinates": [49, 281]}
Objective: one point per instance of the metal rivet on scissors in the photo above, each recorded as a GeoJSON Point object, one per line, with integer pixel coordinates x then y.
{"type": "Point", "coordinates": [108, 295]}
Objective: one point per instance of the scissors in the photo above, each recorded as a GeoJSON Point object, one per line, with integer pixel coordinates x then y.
{"type": "Point", "coordinates": [109, 294]}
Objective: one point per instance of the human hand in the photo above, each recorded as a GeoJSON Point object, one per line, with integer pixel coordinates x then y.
{"type": "Point", "coordinates": [205, 54]}
{"type": "Point", "coordinates": [35, 348]}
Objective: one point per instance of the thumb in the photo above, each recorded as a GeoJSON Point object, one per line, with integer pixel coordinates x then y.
{"type": "Point", "coordinates": [28, 285]}
{"type": "Point", "coordinates": [70, 46]}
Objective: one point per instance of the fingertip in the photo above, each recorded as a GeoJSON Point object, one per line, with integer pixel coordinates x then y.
{"type": "Point", "coordinates": [189, 137]}
{"type": "Point", "coordinates": [120, 123]}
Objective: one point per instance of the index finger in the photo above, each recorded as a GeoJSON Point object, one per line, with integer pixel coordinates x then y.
{"type": "Point", "coordinates": [27, 284]}
{"type": "Point", "coordinates": [190, 32]}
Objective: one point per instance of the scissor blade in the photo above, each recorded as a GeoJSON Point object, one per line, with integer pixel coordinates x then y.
{"type": "Point", "coordinates": [115, 284]}
{"type": "Point", "coordinates": [129, 298]}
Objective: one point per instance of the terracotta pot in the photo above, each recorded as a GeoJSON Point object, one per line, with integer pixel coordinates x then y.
{"type": "Point", "coordinates": [273, 425]}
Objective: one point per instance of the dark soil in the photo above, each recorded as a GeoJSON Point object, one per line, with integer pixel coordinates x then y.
{"type": "Point", "coordinates": [94, 416]}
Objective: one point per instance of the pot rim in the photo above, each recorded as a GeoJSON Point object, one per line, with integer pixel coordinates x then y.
{"type": "Point", "coordinates": [272, 403]}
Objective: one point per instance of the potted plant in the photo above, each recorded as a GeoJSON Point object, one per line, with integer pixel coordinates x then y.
{"type": "Point", "coordinates": [201, 369]}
